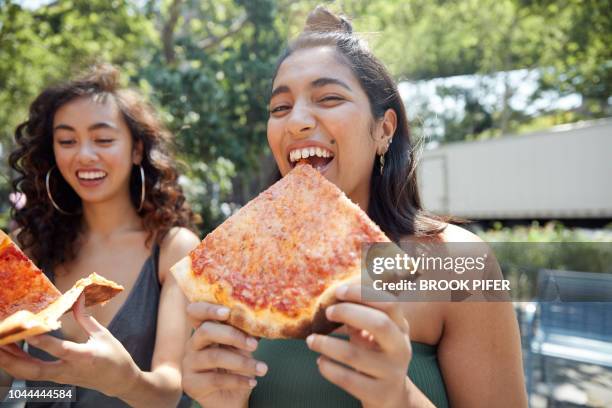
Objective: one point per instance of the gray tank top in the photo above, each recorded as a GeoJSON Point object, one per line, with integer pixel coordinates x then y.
{"type": "Point", "coordinates": [134, 325]}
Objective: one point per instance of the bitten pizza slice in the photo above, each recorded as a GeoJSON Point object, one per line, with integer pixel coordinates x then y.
{"type": "Point", "coordinates": [30, 304]}
{"type": "Point", "coordinates": [277, 261]}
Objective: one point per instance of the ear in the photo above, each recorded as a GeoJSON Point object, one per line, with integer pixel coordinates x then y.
{"type": "Point", "coordinates": [385, 131]}
{"type": "Point", "coordinates": [137, 152]}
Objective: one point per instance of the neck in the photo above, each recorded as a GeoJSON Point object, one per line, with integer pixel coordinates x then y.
{"type": "Point", "coordinates": [111, 217]}
{"type": "Point", "coordinates": [361, 197]}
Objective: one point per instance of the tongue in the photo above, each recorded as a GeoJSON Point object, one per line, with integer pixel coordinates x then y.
{"type": "Point", "coordinates": [317, 162]}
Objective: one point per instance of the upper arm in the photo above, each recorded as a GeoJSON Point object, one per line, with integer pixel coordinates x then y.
{"type": "Point", "coordinates": [172, 325]}
{"type": "Point", "coordinates": [480, 355]}
{"type": "Point", "coordinates": [480, 349]}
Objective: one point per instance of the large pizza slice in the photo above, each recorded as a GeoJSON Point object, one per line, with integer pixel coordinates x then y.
{"type": "Point", "coordinates": [277, 261]}
{"type": "Point", "coordinates": [30, 304]}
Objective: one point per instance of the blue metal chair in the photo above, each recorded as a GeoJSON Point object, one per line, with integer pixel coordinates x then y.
{"type": "Point", "coordinates": [572, 320]}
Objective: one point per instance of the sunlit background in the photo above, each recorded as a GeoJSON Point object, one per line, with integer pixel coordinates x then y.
{"type": "Point", "coordinates": [510, 101]}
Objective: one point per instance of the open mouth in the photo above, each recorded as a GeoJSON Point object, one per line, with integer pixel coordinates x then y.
{"type": "Point", "coordinates": [317, 157]}
{"type": "Point", "coordinates": [91, 175]}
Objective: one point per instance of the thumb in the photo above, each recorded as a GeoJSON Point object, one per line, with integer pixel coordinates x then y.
{"type": "Point", "coordinates": [84, 319]}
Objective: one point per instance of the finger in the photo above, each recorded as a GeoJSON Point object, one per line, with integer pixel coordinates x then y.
{"type": "Point", "coordinates": [215, 357]}
{"type": "Point", "coordinates": [356, 384]}
{"type": "Point", "coordinates": [85, 320]}
{"type": "Point", "coordinates": [202, 311]}
{"type": "Point", "coordinates": [62, 349]}
{"type": "Point", "coordinates": [385, 331]}
{"type": "Point", "coordinates": [366, 361]}
{"type": "Point", "coordinates": [14, 349]}
{"type": "Point", "coordinates": [27, 367]}
{"type": "Point", "coordinates": [383, 301]}
{"type": "Point", "coordinates": [361, 338]}
{"type": "Point", "coordinates": [210, 333]}
{"type": "Point", "coordinates": [199, 385]}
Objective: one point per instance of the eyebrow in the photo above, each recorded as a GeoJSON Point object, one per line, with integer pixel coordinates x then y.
{"type": "Point", "coordinates": [329, 81]}
{"type": "Point", "coordinates": [95, 126]}
{"type": "Point", "coordinates": [279, 90]}
{"type": "Point", "coordinates": [317, 83]}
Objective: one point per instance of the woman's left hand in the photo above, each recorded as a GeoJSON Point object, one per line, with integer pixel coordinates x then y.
{"type": "Point", "coordinates": [102, 363]}
{"type": "Point", "coordinates": [374, 361]}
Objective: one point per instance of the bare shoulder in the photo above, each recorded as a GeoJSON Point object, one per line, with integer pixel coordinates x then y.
{"type": "Point", "coordinates": [455, 233]}
{"type": "Point", "coordinates": [177, 243]}
{"type": "Point", "coordinates": [457, 314]}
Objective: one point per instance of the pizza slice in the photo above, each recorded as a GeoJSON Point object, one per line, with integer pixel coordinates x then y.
{"type": "Point", "coordinates": [30, 304]}
{"type": "Point", "coordinates": [22, 285]}
{"type": "Point", "coordinates": [277, 262]}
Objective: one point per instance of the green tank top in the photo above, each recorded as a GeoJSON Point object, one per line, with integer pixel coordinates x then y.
{"type": "Point", "coordinates": [293, 378]}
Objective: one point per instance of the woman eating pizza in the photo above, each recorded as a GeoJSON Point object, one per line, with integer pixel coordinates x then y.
{"type": "Point", "coordinates": [330, 95]}
{"type": "Point", "coordinates": [102, 194]}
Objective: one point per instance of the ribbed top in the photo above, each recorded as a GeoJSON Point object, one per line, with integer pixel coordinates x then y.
{"type": "Point", "coordinates": [134, 325]}
{"type": "Point", "coordinates": [293, 378]}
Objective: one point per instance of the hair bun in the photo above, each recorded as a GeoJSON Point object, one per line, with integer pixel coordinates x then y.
{"type": "Point", "coordinates": [106, 77]}
{"type": "Point", "coordinates": [321, 20]}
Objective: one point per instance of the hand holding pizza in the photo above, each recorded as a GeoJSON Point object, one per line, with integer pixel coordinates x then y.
{"type": "Point", "coordinates": [85, 365]}
{"type": "Point", "coordinates": [218, 368]}
{"type": "Point", "coordinates": [377, 353]}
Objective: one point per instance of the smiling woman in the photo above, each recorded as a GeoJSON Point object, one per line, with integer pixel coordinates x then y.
{"type": "Point", "coordinates": [335, 106]}
{"type": "Point", "coordinates": [102, 195]}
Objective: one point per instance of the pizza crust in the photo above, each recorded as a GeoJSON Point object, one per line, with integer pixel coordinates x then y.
{"type": "Point", "coordinates": [264, 323]}
{"type": "Point", "coordinates": [23, 324]}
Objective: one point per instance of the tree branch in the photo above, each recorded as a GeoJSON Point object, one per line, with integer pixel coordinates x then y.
{"type": "Point", "coordinates": [168, 31]}
{"type": "Point", "coordinates": [236, 26]}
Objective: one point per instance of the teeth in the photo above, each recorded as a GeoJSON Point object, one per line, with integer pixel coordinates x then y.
{"type": "Point", "coordinates": [91, 175]}
{"type": "Point", "coordinates": [298, 154]}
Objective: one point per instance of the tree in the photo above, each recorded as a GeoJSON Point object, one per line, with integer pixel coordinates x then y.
{"type": "Point", "coordinates": [211, 73]}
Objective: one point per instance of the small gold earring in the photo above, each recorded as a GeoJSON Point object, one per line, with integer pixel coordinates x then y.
{"type": "Point", "coordinates": [382, 163]}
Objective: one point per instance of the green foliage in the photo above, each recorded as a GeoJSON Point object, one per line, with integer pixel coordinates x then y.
{"type": "Point", "coordinates": [50, 43]}
{"type": "Point", "coordinates": [208, 188]}
{"type": "Point", "coordinates": [213, 92]}
{"type": "Point", "coordinates": [523, 251]}
{"type": "Point", "coordinates": [567, 41]}
{"type": "Point", "coordinates": [207, 65]}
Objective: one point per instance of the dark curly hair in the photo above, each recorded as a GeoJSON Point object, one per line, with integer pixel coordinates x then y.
{"type": "Point", "coordinates": [50, 236]}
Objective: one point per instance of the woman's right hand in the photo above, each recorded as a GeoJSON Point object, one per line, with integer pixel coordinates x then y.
{"type": "Point", "coordinates": [218, 368]}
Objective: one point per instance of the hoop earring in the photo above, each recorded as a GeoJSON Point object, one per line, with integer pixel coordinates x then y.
{"type": "Point", "coordinates": [53, 203]}
{"type": "Point", "coordinates": [142, 188]}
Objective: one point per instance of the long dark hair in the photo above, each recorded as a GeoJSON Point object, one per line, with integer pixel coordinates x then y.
{"type": "Point", "coordinates": [395, 204]}
{"type": "Point", "coordinates": [50, 236]}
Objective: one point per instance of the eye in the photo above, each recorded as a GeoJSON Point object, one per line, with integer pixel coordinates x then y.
{"type": "Point", "coordinates": [279, 109]}
{"type": "Point", "coordinates": [331, 100]}
{"type": "Point", "coordinates": [66, 142]}
{"type": "Point", "coordinates": [104, 140]}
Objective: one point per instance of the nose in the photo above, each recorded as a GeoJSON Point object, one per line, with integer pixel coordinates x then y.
{"type": "Point", "coordinates": [87, 153]}
{"type": "Point", "coordinates": [300, 122]}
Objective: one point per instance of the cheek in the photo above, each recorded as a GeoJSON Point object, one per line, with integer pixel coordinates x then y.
{"type": "Point", "coordinates": [355, 143]}
{"type": "Point", "coordinates": [62, 160]}
{"type": "Point", "coordinates": [275, 141]}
